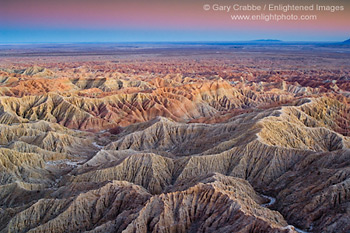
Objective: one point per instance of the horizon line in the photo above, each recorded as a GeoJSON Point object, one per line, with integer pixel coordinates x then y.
{"type": "Point", "coordinates": [174, 42]}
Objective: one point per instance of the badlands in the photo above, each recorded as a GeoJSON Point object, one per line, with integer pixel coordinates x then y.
{"type": "Point", "coordinates": [175, 138]}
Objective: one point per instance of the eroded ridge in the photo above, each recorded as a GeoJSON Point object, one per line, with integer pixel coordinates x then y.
{"type": "Point", "coordinates": [178, 145]}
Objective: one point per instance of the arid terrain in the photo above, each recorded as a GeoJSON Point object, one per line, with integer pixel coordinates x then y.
{"type": "Point", "coordinates": [175, 138]}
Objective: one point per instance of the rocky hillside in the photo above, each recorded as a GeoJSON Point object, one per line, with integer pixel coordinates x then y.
{"type": "Point", "coordinates": [86, 152]}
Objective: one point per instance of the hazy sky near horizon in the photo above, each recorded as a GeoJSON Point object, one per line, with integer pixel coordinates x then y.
{"type": "Point", "coordinates": [164, 20]}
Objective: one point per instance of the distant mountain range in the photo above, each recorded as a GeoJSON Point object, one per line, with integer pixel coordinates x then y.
{"type": "Point", "coordinates": [267, 40]}
{"type": "Point", "coordinates": [274, 40]}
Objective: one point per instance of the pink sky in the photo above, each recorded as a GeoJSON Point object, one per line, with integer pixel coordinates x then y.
{"type": "Point", "coordinates": [148, 14]}
{"type": "Point", "coordinates": [158, 15]}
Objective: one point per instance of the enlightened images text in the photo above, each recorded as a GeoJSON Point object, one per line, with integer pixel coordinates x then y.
{"type": "Point", "coordinates": [279, 7]}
